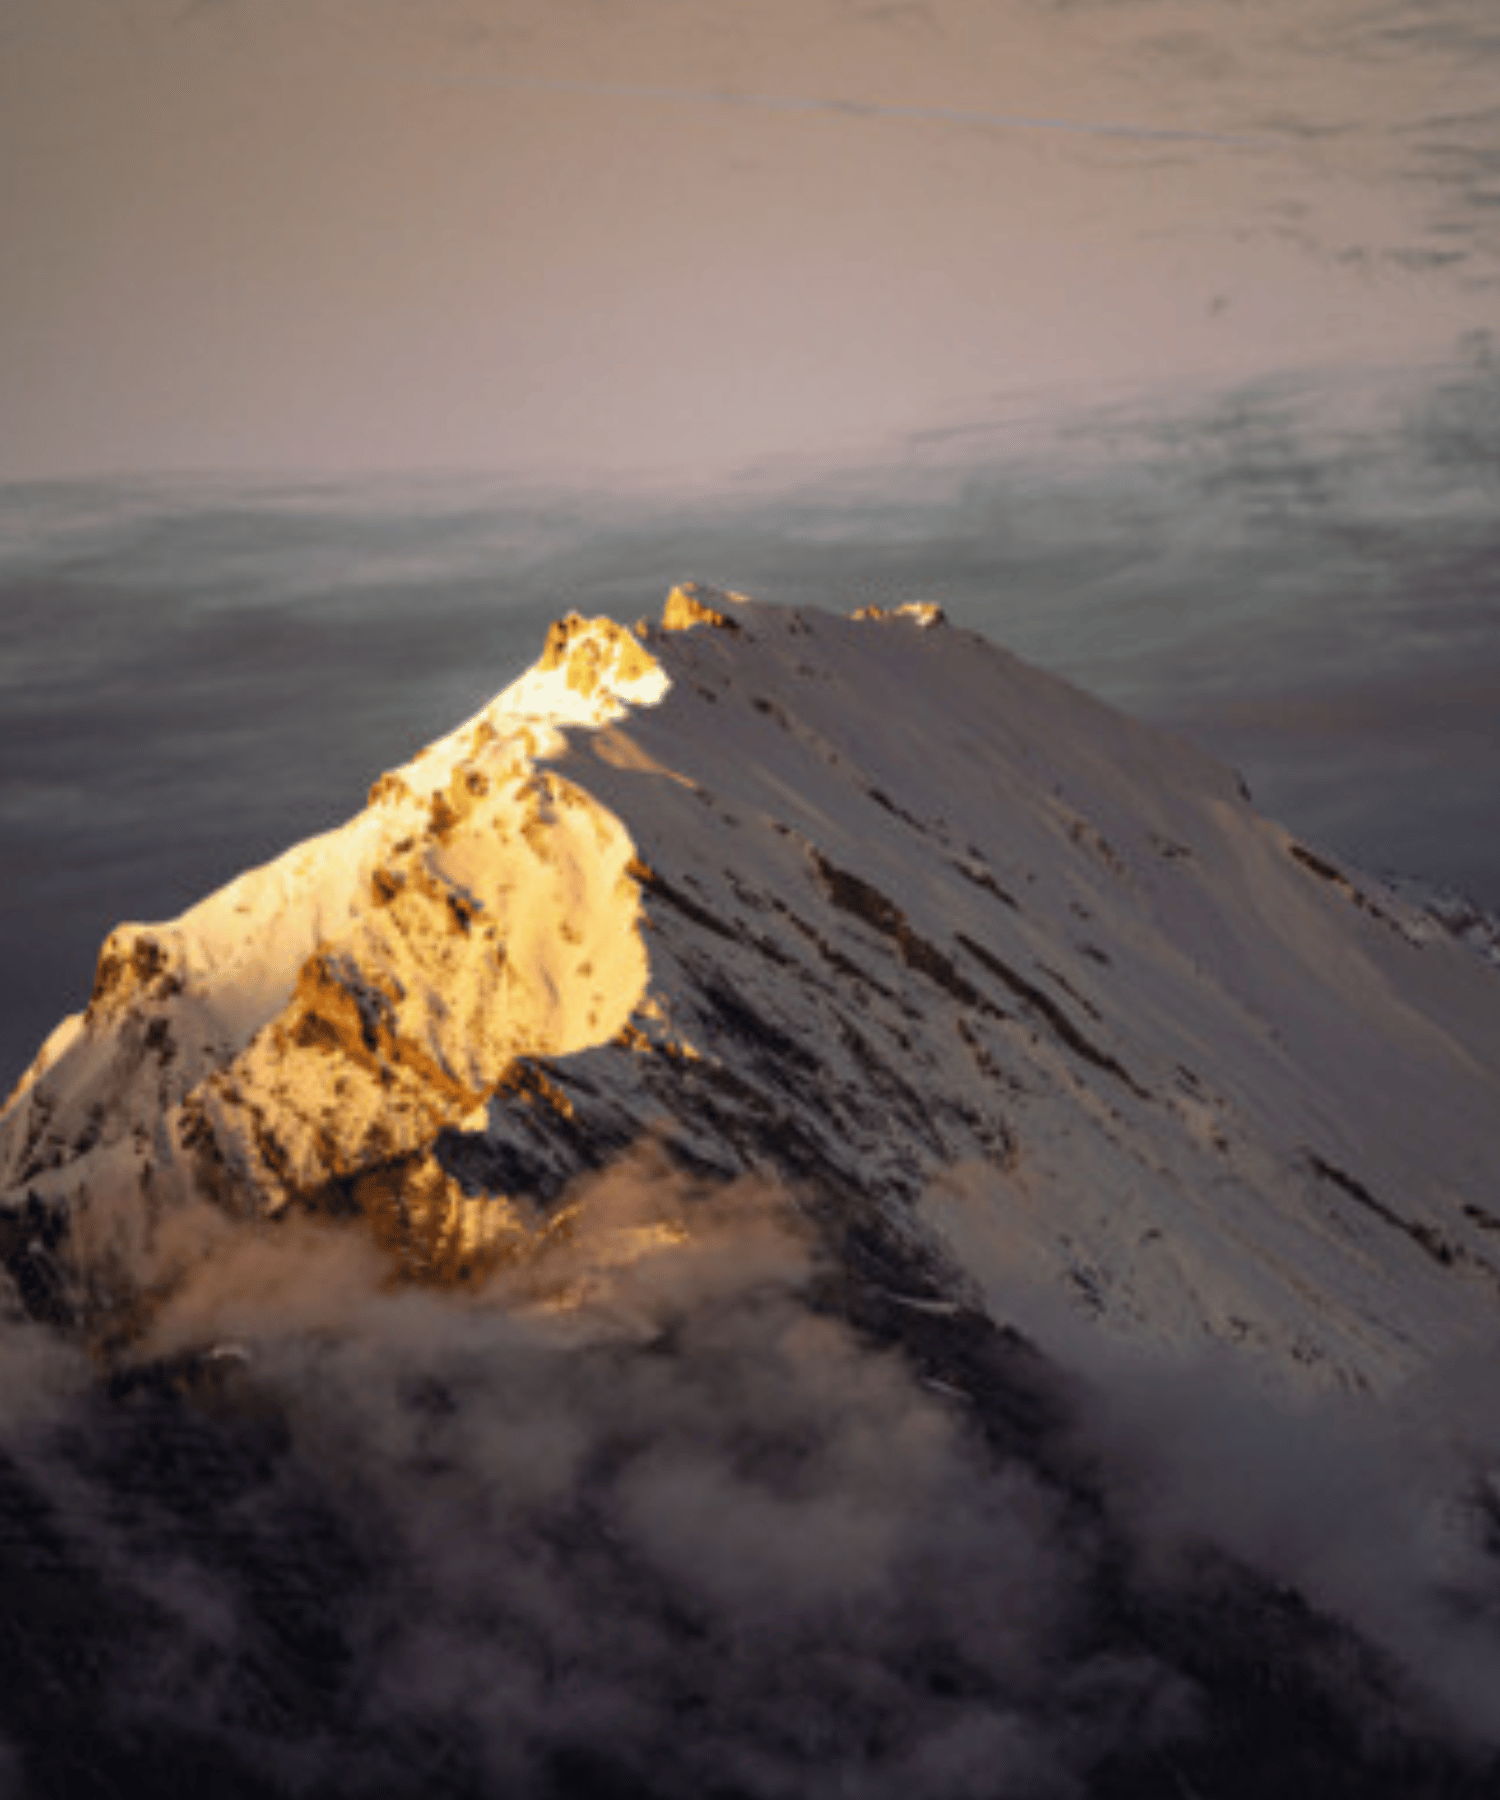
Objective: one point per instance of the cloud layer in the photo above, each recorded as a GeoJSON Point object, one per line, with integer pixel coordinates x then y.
{"type": "Point", "coordinates": [674, 236]}
{"type": "Point", "coordinates": [651, 1515]}
{"type": "Point", "coordinates": [644, 1518]}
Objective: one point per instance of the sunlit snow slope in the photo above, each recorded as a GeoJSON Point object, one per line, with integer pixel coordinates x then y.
{"type": "Point", "coordinates": [999, 978]}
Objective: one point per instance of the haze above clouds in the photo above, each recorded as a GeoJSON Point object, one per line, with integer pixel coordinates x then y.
{"type": "Point", "coordinates": [668, 237]}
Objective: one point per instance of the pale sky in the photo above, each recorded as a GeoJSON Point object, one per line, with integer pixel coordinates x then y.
{"type": "Point", "coordinates": [632, 238]}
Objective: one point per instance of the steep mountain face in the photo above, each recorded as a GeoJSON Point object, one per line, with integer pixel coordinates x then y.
{"type": "Point", "coordinates": [759, 1072]}
{"type": "Point", "coordinates": [309, 1031]}
{"type": "Point", "coordinates": [863, 901]}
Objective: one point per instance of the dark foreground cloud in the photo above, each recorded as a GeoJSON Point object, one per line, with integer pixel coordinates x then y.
{"type": "Point", "coordinates": [663, 1513]}
{"type": "Point", "coordinates": [645, 1519]}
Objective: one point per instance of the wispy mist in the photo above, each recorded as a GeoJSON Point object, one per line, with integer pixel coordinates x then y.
{"type": "Point", "coordinates": [643, 1518]}
{"type": "Point", "coordinates": [844, 109]}
{"type": "Point", "coordinates": [648, 1514]}
{"type": "Point", "coordinates": [1385, 1513]}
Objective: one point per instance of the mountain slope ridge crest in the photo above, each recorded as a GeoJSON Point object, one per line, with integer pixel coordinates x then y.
{"type": "Point", "coordinates": [865, 902]}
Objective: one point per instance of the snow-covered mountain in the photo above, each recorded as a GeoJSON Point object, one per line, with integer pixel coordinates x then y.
{"type": "Point", "coordinates": [867, 902]}
{"type": "Point", "coordinates": [1038, 1034]}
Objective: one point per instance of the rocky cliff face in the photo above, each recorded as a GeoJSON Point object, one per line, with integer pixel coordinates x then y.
{"type": "Point", "coordinates": [863, 901]}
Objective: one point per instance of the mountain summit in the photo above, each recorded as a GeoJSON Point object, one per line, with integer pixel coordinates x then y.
{"type": "Point", "coordinates": [866, 902]}
{"type": "Point", "coordinates": [795, 1208]}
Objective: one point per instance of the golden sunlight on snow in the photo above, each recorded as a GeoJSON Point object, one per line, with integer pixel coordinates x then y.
{"type": "Point", "coordinates": [480, 911]}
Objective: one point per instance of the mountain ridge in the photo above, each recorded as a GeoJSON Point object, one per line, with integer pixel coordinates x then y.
{"type": "Point", "coordinates": [862, 902]}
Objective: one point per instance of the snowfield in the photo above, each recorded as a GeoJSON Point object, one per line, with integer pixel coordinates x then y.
{"type": "Point", "coordinates": [864, 902]}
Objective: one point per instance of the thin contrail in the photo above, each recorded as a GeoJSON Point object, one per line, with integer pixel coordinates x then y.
{"type": "Point", "coordinates": [855, 109]}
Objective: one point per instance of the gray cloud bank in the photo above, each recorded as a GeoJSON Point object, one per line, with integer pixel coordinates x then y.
{"type": "Point", "coordinates": [720, 1518]}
